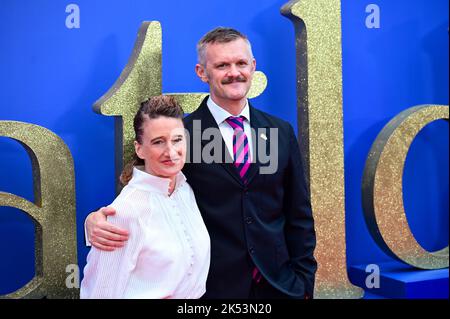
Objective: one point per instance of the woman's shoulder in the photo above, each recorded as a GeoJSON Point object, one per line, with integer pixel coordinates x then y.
{"type": "Point", "coordinates": [127, 205]}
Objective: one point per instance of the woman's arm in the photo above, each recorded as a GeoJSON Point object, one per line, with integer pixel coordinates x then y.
{"type": "Point", "coordinates": [107, 272]}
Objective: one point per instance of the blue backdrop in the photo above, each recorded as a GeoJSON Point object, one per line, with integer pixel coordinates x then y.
{"type": "Point", "coordinates": [51, 75]}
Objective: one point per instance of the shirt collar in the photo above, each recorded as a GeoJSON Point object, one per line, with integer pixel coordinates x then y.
{"type": "Point", "coordinates": [147, 182]}
{"type": "Point", "coordinates": [220, 114]}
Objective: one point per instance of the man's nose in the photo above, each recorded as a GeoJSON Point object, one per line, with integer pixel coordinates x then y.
{"type": "Point", "coordinates": [233, 71]}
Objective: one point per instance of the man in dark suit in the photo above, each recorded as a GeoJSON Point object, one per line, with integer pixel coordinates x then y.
{"type": "Point", "coordinates": [258, 216]}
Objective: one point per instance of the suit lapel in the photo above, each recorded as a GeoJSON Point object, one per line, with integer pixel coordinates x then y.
{"type": "Point", "coordinates": [260, 137]}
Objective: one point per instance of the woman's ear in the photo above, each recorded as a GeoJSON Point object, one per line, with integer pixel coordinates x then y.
{"type": "Point", "coordinates": [138, 149]}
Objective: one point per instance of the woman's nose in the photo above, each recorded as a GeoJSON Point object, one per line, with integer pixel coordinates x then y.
{"type": "Point", "coordinates": [172, 151]}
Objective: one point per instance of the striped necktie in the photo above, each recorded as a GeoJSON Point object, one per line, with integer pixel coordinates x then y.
{"type": "Point", "coordinates": [241, 153]}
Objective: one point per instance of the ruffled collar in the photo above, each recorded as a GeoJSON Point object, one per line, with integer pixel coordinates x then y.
{"type": "Point", "coordinates": [145, 181]}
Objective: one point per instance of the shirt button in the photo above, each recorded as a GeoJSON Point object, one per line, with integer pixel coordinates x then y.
{"type": "Point", "coordinates": [249, 220]}
{"type": "Point", "coordinates": [252, 250]}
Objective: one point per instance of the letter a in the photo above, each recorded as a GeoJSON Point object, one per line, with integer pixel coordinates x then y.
{"type": "Point", "coordinates": [73, 19]}
{"type": "Point", "coordinates": [373, 19]}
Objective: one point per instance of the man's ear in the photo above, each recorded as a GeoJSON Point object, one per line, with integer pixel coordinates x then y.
{"type": "Point", "coordinates": [138, 149]}
{"type": "Point", "coordinates": [201, 72]}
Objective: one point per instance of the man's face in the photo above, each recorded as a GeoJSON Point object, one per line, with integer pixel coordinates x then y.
{"type": "Point", "coordinates": [228, 70]}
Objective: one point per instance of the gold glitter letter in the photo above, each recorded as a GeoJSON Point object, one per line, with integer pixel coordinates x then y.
{"type": "Point", "coordinates": [383, 191]}
{"type": "Point", "coordinates": [53, 212]}
{"type": "Point", "coordinates": [319, 104]}
{"type": "Point", "coordinates": [139, 80]}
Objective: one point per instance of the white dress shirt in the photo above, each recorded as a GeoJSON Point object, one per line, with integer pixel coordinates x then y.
{"type": "Point", "coordinates": [220, 115]}
{"type": "Point", "coordinates": [167, 254]}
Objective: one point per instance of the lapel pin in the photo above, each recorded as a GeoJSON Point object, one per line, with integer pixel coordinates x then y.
{"type": "Point", "coordinates": [263, 136]}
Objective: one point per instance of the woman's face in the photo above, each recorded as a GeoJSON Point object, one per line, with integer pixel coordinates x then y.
{"type": "Point", "coordinates": [163, 146]}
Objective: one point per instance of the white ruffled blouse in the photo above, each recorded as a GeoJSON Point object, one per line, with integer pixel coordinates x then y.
{"type": "Point", "coordinates": [167, 254]}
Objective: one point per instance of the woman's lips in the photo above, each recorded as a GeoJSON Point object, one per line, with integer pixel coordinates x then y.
{"type": "Point", "coordinates": [171, 162]}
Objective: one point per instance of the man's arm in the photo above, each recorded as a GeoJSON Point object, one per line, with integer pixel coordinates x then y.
{"type": "Point", "coordinates": [299, 230]}
{"type": "Point", "coordinates": [102, 234]}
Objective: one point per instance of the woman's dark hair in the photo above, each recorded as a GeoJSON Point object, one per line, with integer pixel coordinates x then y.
{"type": "Point", "coordinates": [154, 107]}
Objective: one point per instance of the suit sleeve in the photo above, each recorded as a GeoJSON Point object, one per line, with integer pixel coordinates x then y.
{"type": "Point", "coordinates": [299, 230]}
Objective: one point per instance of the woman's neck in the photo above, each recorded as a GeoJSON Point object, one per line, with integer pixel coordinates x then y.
{"type": "Point", "coordinates": [172, 184]}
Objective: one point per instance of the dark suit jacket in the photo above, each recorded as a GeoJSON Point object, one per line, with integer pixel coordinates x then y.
{"type": "Point", "coordinates": [267, 223]}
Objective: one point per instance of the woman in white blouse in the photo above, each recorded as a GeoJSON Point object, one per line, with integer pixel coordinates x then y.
{"type": "Point", "coordinates": [168, 251]}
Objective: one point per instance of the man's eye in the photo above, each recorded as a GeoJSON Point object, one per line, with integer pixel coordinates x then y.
{"type": "Point", "coordinates": [157, 142]}
{"type": "Point", "coordinates": [177, 140]}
